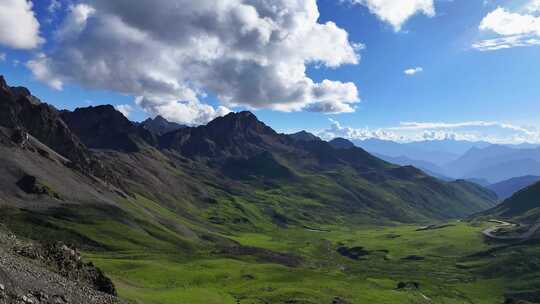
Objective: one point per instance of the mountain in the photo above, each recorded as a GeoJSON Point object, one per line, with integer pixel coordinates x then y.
{"type": "Point", "coordinates": [239, 156]}
{"type": "Point", "coordinates": [304, 136]}
{"type": "Point", "coordinates": [438, 152]}
{"type": "Point", "coordinates": [496, 163]}
{"type": "Point", "coordinates": [159, 125]}
{"type": "Point", "coordinates": [429, 168]}
{"type": "Point", "coordinates": [507, 188]}
{"type": "Point", "coordinates": [103, 127]}
{"type": "Point", "coordinates": [341, 143]}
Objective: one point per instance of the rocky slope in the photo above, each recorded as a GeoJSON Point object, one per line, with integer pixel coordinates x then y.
{"type": "Point", "coordinates": [33, 273]}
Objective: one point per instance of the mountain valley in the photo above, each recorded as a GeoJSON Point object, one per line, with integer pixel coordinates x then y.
{"type": "Point", "coordinates": [234, 212]}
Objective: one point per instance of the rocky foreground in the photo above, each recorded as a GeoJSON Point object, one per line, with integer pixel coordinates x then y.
{"type": "Point", "coordinates": [35, 273]}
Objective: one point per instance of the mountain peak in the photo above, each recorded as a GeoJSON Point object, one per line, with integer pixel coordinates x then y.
{"type": "Point", "coordinates": [159, 125]}
{"type": "Point", "coordinates": [341, 143]}
{"type": "Point", "coordinates": [243, 122]}
{"type": "Point", "coordinates": [304, 136]}
{"type": "Point", "coordinates": [103, 127]}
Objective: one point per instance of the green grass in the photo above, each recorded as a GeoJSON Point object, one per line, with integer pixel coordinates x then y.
{"type": "Point", "coordinates": [147, 276]}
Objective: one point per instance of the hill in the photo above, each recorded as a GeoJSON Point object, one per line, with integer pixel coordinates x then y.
{"type": "Point", "coordinates": [523, 206]}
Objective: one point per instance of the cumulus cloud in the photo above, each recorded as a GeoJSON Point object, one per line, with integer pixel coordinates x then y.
{"type": "Point", "coordinates": [187, 113]}
{"type": "Point", "coordinates": [507, 23]}
{"type": "Point", "coordinates": [19, 27]}
{"type": "Point", "coordinates": [124, 109]}
{"type": "Point", "coordinates": [512, 29]}
{"type": "Point", "coordinates": [247, 53]}
{"type": "Point", "coordinates": [40, 67]}
{"type": "Point", "coordinates": [413, 71]}
{"type": "Point", "coordinates": [490, 131]}
{"type": "Point", "coordinates": [396, 13]}
{"type": "Point", "coordinates": [3, 57]}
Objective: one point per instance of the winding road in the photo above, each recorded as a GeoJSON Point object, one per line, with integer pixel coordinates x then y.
{"type": "Point", "coordinates": [490, 232]}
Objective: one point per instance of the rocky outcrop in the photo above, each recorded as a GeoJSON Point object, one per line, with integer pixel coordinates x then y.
{"type": "Point", "coordinates": [33, 273]}
{"type": "Point", "coordinates": [31, 185]}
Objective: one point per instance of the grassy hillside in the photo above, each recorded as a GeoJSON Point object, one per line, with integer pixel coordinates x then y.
{"type": "Point", "coordinates": [523, 206]}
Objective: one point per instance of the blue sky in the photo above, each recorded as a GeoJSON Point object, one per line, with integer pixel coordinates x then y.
{"type": "Point", "coordinates": [474, 69]}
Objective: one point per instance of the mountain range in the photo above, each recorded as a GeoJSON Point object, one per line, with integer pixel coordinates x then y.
{"type": "Point", "coordinates": [481, 162]}
{"type": "Point", "coordinates": [233, 173]}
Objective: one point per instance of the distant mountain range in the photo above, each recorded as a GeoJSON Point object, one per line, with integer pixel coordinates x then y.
{"type": "Point", "coordinates": [507, 188]}
{"type": "Point", "coordinates": [496, 163]}
{"type": "Point", "coordinates": [436, 152]}
{"type": "Point", "coordinates": [482, 162]}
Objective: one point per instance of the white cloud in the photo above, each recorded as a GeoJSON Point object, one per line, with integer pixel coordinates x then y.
{"type": "Point", "coordinates": [19, 27]}
{"type": "Point", "coordinates": [506, 43]}
{"type": "Point", "coordinates": [494, 132]}
{"type": "Point", "coordinates": [124, 109]}
{"type": "Point", "coordinates": [247, 53]}
{"type": "Point", "coordinates": [413, 71]}
{"type": "Point", "coordinates": [75, 21]}
{"type": "Point", "coordinates": [444, 125]}
{"type": "Point", "coordinates": [397, 12]}
{"type": "Point", "coordinates": [512, 29]}
{"type": "Point", "coordinates": [41, 70]}
{"type": "Point", "coordinates": [533, 6]}
{"type": "Point", "coordinates": [54, 5]}
{"type": "Point", "coordinates": [3, 57]}
{"type": "Point", "coordinates": [505, 23]}
{"type": "Point", "coordinates": [188, 113]}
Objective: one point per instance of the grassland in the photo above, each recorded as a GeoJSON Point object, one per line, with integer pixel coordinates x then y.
{"type": "Point", "coordinates": [441, 268]}
{"type": "Point", "coordinates": [151, 261]}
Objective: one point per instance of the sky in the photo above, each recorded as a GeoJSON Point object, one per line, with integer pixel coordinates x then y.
{"type": "Point", "coordinates": [403, 70]}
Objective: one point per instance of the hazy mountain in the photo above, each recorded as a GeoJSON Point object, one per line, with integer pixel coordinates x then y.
{"type": "Point", "coordinates": [496, 163]}
{"type": "Point", "coordinates": [429, 168]}
{"type": "Point", "coordinates": [438, 152]}
{"type": "Point", "coordinates": [159, 125]}
{"type": "Point", "coordinates": [507, 188]}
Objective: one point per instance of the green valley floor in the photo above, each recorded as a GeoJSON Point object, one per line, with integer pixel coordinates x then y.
{"type": "Point", "coordinates": [393, 264]}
